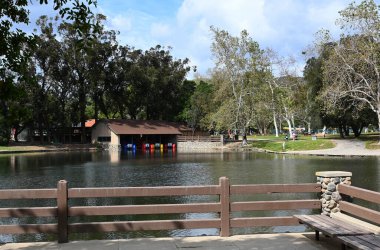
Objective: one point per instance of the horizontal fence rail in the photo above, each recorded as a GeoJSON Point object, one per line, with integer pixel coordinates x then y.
{"type": "Point", "coordinates": [145, 209]}
{"type": "Point", "coordinates": [142, 191]}
{"type": "Point", "coordinates": [186, 138]}
{"type": "Point", "coordinates": [12, 194]}
{"type": "Point", "coordinates": [272, 205]}
{"type": "Point", "coordinates": [227, 214]}
{"type": "Point", "coordinates": [360, 193]}
{"type": "Point", "coordinates": [275, 188]}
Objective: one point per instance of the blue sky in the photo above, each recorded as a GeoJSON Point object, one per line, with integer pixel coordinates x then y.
{"type": "Point", "coordinates": [286, 26]}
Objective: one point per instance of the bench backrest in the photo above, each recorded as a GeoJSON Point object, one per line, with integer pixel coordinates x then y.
{"type": "Point", "coordinates": [359, 211]}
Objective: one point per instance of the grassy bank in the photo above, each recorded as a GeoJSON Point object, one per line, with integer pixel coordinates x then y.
{"type": "Point", "coordinates": [281, 145]}
{"type": "Point", "coordinates": [14, 148]}
{"type": "Point", "coordinates": [372, 144]}
{"type": "Point", "coordinates": [50, 147]}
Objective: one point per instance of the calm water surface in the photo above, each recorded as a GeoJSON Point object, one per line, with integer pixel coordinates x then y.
{"type": "Point", "coordinates": [102, 169]}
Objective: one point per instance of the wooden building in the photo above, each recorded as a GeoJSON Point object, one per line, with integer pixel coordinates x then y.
{"type": "Point", "coordinates": [116, 133]}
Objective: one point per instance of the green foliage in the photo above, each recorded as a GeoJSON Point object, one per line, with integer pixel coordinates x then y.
{"type": "Point", "coordinates": [16, 48]}
{"type": "Point", "coordinates": [345, 75]}
{"type": "Point", "coordinates": [66, 82]}
{"type": "Point", "coordinates": [199, 107]}
{"type": "Point", "coordinates": [239, 63]}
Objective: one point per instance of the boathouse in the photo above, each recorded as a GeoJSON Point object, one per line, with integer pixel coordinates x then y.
{"type": "Point", "coordinates": [118, 133]}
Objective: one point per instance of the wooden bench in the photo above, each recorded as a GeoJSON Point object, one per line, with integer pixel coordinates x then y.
{"type": "Point", "coordinates": [350, 231]}
{"type": "Point", "coordinates": [348, 234]}
{"type": "Point", "coordinates": [331, 227]}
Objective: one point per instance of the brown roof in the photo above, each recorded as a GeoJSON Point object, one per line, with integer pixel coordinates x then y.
{"type": "Point", "coordinates": [90, 123]}
{"type": "Point", "coordinates": [141, 127]}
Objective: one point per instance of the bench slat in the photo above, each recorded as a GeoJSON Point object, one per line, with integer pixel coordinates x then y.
{"type": "Point", "coordinates": [317, 224]}
{"type": "Point", "coordinates": [335, 224]}
{"type": "Point", "coordinates": [356, 230]}
{"type": "Point", "coordinates": [330, 226]}
{"type": "Point", "coordinates": [361, 241]}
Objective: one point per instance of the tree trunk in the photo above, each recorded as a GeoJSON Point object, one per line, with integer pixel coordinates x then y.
{"type": "Point", "coordinates": [293, 123]}
{"type": "Point", "coordinates": [346, 130]}
{"type": "Point", "coordinates": [82, 109]}
{"type": "Point", "coordinates": [378, 120]}
{"type": "Point", "coordinates": [340, 128]}
{"type": "Point", "coordinates": [357, 130]}
{"type": "Point", "coordinates": [290, 126]}
{"type": "Point", "coordinates": [4, 124]}
{"type": "Point", "coordinates": [96, 108]}
{"type": "Point", "coordinates": [275, 124]}
{"type": "Point", "coordinates": [41, 133]}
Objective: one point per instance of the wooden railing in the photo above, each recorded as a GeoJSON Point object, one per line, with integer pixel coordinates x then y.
{"type": "Point", "coordinates": [272, 205]}
{"type": "Point", "coordinates": [356, 210]}
{"type": "Point", "coordinates": [196, 138]}
{"type": "Point", "coordinates": [224, 206]}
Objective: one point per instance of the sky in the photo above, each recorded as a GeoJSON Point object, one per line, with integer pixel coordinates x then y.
{"type": "Point", "coordinates": [286, 26]}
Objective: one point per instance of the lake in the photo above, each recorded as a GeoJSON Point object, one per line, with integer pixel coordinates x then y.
{"type": "Point", "coordinates": [102, 169]}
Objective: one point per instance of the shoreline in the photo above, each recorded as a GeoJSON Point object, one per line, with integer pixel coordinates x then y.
{"type": "Point", "coordinates": [343, 148]}
{"type": "Point", "coordinates": [48, 148]}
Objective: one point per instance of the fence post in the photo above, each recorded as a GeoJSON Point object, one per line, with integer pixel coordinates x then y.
{"type": "Point", "coordinates": [330, 196]}
{"type": "Point", "coordinates": [224, 183]}
{"type": "Point", "coordinates": [62, 206]}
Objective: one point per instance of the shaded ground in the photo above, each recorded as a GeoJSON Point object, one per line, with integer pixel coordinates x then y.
{"type": "Point", "coordinates": [284, 241]}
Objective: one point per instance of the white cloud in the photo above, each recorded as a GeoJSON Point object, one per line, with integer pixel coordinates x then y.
{"type": "Point", "coordinates": [287, 26]}
{"type": "Point", "coordinates": [160, 30]}
{"type": "Point", "coordinates": [233, 16]}
{"type": "Point", "coordinates": [121, 23]}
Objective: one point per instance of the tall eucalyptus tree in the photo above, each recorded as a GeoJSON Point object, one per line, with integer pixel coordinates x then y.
{"type": "Point", "coordinates": [238, 62]}
{"type": "Point", "coordinates": [352, 71]}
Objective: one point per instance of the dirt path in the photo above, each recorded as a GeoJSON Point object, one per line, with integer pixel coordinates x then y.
{"type": "Point", "coordinates": [343, 148]}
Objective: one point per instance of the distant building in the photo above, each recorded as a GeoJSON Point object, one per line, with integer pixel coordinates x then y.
{"type": "Point", "coordinates": [90, 123]}
{"type": "Point", "coordinates": [118, 133]}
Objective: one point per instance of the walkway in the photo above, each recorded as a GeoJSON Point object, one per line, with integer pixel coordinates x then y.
{"type": "Point", "coordinates": [287, 241]}
{"type": "Point", "coordinates": [343, 148]}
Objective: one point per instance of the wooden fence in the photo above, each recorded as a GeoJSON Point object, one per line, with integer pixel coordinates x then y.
{"type": "Point", "coordinates": [224, 206]}
{"type": "Point", "coordinates": [197, 138]}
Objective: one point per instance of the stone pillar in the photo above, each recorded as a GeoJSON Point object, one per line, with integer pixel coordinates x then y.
{"type": "Point", "coordinates": [329, 195]}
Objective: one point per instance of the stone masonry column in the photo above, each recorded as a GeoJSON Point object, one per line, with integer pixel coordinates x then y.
{"type": "Point", "coordinates": [330, 195]}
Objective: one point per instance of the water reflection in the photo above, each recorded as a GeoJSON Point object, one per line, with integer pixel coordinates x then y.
{"type": "Point", "coordinates": [161, 168]}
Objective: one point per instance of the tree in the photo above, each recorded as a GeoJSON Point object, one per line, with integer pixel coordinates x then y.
{"type": "Point", "coordinates": [146, 84]}
{"type": "Point", "coordinates": [352, 70]}
{"type": "Point", "coordinates": [197, 112]}
{"type": "Point", "coordinates": [313, 77]}
{"type": "Point", "coordinates": [238, 62]}
{"type": "Point", "coordinates": [122, 97]}
{"type": "Point", "coordinates": [100, 56]}
{"type": "Point", "coordinates": [14, 45]}
{"type": "Point", "coordinates": [286, 90]}
{"type": "Point", "coordinates": [164, 79]}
